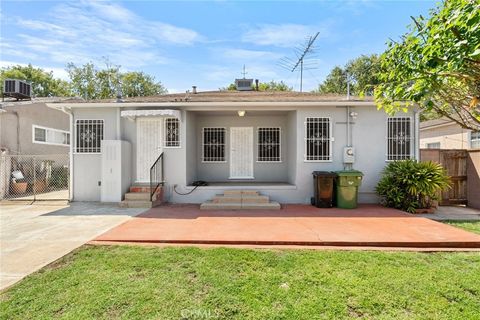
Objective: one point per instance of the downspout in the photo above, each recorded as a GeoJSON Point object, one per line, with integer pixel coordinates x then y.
{"type": "Point", "coordinates": [118, 125]}
{"type": "Point", "coordinates": [18, 131]}
{"type": "Point", "coordinates": [416, 138]}
{"type": "Point", "coordinates": [72, 138]}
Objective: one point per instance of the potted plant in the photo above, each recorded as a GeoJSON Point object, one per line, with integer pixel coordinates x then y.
{"type": "Point", "coordinates": [412, 186]}
{"type": "Point", "coordinates": [18, 185]}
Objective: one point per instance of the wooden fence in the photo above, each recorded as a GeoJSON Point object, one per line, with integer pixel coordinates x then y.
{"type": "Point", "coordinates": [463, 167]}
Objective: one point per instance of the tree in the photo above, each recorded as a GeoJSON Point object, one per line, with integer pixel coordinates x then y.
{"type": "Point", "coordinates": [89, 82]}
{"type": "Point", "coordinates": [436, 65]}
{"type": "Point", "coordinates": [274, 86]}
{"type": "Point", "coordinates": [262, 86]}
{"type": "Point", "coordinates": [43, 83]}
{"type": "Point", "coordinates": [362, 73]}
{"type": "Point", "coordinates": [336, 82]}
{"type": "Point", "coordinates": [136, 84]}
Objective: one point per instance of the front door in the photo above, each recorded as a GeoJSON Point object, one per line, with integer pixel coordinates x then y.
{"type": "Point", "coordinates": [241, 153]}
{"type": "Point", "coordinates": [149, 145]}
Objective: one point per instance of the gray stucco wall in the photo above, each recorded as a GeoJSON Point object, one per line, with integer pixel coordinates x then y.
{"type": "Point", "coordinates": [183, 165]}
{"type": "Point", "coordinates": [28, 115]}
{"type": "Point", "coordinates": [87, 172]}
{"type": "Point", "coordinates": [262, 171]}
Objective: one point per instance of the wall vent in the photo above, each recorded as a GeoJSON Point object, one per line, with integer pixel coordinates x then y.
{"type": "Point", "coordinates": [18, 89]}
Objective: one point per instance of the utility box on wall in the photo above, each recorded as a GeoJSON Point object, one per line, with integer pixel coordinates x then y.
{"type": "Point", "coordinates": [348, 155]}
{"type": "Point", "coordinates": [116, 169]}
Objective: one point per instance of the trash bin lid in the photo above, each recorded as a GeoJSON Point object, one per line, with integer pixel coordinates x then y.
{"type": "Point", "coordinates": [349, 173]}
{"type": "Point", "coordinates": [324, 174]}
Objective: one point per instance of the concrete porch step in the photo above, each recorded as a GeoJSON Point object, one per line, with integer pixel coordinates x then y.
{"type": "Point", "coordinates": [240, 192]}
{"type": "Point", "coordinates": [240, 198]}
{"type": "Point", "coordinates": [135, 204]}
{"type": "Point", "coordinates": [210, 205]}
{"type": "Point", "coordinates": [140, 188]}
{"type": "Point", "coordinates": [145, 196]}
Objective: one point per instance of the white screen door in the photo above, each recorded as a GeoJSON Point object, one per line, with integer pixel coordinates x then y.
{"type": "Point", "coordinates": [241, 153]}
{"type": "Point", "coordinates": [149, 145]}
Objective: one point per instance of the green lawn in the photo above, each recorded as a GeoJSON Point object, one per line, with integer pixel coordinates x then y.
{"type": "Point", "coordinates": [129, 282]}
{"type": "Point", "coordinates": [472, 226]}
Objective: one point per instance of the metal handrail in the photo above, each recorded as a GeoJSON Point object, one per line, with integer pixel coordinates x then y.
{"type": "Point", "coordinates": [156, 175]}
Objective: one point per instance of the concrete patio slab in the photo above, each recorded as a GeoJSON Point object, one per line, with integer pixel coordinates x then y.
{"type": "Point", "coordinates": [366, 226]}
{"type": "Point", "coordinates": [32, 236]}
{"type": "Point", "coordinates": [454, 213]}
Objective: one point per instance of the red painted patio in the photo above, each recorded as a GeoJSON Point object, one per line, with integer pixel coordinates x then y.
{"type": "Point", "coordinates": [366, 226]}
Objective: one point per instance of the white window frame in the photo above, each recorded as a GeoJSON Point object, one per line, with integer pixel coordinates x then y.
{"type": "Point", "coordinates": [75, 150]}
{"type": "Point", "coordinates": [34, 126]}
{"type": "Point", "coordinates": [477, 140]}
{"type": "Point", "coordinates": [411, 138]}
{"type": "Point", "coordinates": [279, 145]}
{"type": "Point", "coordinates": [330, 140]}
{"type": "Point", "coordinates": [224, 144]}
{"type": "Point", "coordinates": [165, 134]}
{"type": "Point", "coordinates": [430, 144]}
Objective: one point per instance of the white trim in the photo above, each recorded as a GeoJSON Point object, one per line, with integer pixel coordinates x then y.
{"type": "Point", "coordinates": [470, 139]}
{"type": "Point", "coordinates": [34, 126]}
{"type": "Point", "coordinates": [151, 113]}
{"type": "Point", "coordinates": [75, 136]}
{"type": "Point", "coordinates": [279, 145]}
{"type": "Point", "coordinates": [225, 145]}
{"type": "Point", "coordinates": [330, 141]}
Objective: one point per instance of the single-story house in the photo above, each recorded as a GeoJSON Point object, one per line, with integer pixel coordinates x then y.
{"type": "Point", "coordinates": [32, 128]}
{"type": "Point", "coordinates": [444, 133]}
{"type": "Point", "coordinates": [267, 141]}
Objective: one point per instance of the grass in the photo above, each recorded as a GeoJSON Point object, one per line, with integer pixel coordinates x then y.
{"type": "Point", "coordinates": [127, 282]}
{"type": "Point", "coordinates": [472, 226]}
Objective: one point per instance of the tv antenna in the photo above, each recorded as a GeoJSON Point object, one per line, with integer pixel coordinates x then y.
{"type": "Point", "coordinates": [244, 73]}
{"type": "Point", "coordinates": [301, 52]}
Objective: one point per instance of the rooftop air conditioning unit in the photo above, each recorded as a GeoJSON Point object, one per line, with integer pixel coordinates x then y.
{"type": "Point", "coordinates": [18, 89]}
{"type": "Point", "coordinates": [244, 84]}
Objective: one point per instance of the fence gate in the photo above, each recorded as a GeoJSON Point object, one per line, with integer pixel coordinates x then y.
{"type": "Point", "coordinates": [455, 163]}
{"type": "Point", "coordinates": [35, 177]}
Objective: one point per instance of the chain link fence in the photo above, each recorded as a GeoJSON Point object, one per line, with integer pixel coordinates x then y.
{"type": "Point", "coordinates": [35, 177]}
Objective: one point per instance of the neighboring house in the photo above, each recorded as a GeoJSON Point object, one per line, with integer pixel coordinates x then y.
{"type": "Point", "coordinates": [31, 128]}
{"type": "Point", "coordinates": [446, 134]}
{"type": "Point", "coordinates": [267, 141]}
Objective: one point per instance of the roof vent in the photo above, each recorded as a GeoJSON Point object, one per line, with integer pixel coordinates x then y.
{"type": "Point", "coordinates": [244, 84]}
{"type": "Point", "coordinates": [18, 89]}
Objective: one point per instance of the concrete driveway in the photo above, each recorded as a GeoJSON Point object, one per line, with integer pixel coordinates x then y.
{"type": "Point", "coordinates": [32, 236]}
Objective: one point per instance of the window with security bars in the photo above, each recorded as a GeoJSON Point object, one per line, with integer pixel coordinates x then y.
{"type": "Point", "coordinates": [89, 134]}
{"type": "Point", "coordinates": [268, 145]}
{"type": "Point", "coordinates": [213, 144]}
{"type": "Point", "coordinates": [399, 138]}
{"type": "Point", "coordinates": [318, 139]}
{"type": "Point", "coordinates": [172, 132]}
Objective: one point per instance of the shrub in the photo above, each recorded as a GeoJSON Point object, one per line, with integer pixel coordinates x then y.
{"type": "Point", "coordinates": [409, 185]}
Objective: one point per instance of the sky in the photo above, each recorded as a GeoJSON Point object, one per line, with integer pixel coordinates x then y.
{"type": "Point", "coordinates": [202, 43]}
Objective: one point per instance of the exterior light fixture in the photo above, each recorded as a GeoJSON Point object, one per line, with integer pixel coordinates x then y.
{"type": "Point", "coordinates": [241, 113]}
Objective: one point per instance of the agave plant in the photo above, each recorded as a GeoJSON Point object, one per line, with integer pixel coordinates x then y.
{"type": "Point", "coordinates": [409, 185]}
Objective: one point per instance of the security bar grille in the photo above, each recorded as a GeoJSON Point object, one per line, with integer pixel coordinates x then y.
{"type": "Point", "coordinates": [172, 132]}
{"type": "Point", "coordinates": [213, 144]}
{"type": "Point", "coordinates": [318, 139]}
{"type": "Point", "coordinates": [89, 136]}
{"type": "Point", "coordinates": [268, 145]}
{"type": "Point", "coordinates": [399, 139]}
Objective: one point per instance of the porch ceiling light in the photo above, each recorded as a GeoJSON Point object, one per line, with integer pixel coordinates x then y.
{"type": "Point", "coordinates": [241, 113]}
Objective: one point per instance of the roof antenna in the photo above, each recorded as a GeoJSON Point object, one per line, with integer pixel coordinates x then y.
{"type": "Point", "coordinates": [301, 53]}
{"type": "Point", "coordinates": [244, 72]}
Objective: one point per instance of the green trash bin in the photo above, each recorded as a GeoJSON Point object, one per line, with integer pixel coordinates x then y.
{"type": "Point", "coordinates": [347, 185]}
